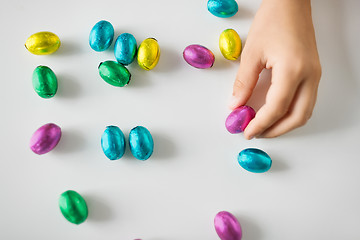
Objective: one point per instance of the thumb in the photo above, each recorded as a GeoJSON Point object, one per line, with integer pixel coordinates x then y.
{"type": "Point", "coordinates": [246, 79]}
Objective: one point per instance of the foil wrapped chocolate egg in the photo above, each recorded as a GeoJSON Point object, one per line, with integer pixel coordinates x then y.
{"type": "Point", "coordinates": [230, 44]}
{"type": "Point", "coordinates": [141, 143]}
{"type": "Point", "coordinates": [44, 82]}
{"type": "Point", "coordinates": [45, 138]}
{"type": "Point", "coordinates": [43, 43]}
{"type": "Point", "coordinates": [254, 160]}
{"type": "Point", "coordinates": [113, 142]}
{"type": "Point", "coordinates": [227, 226]}
{"type": "Point", "coordinates": [239, 118]}
{"type": "Point", "coordinates": [198, 56]}
{"type": "Point", "coordinates": [101, 36]}
{"type": "Point", "coordinates": [223, 8]}
{"type": "Point", "coordinates": [148, 54]}
{"type": "Point", "coordinates": [125, 48]}
{"type": "Point", "coordinates": [114, 73]}
{"type": "Point", "coordinates": [73, 207]}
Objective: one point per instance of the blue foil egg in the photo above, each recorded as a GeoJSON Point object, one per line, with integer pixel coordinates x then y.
{"type": "Point", "coordinates": [254, 160]}
{"type": "Point", "coordinates": [141, 143]}
{"type": "Point", "coordinates": [101, 36]}
{"type": "Point", "coordinates": [113, 142]}
{"type": "Point", "coordinates": [223, 8]}
{"type": "Point", "coordinates": [125, 48]}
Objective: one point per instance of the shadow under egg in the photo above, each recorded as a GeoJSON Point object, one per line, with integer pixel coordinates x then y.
{"type": "Point", "coordinates": [99, 211]}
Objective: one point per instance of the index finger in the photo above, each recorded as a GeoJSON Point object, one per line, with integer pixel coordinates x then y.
{"type": "Point", "coordinates": [278, 99]}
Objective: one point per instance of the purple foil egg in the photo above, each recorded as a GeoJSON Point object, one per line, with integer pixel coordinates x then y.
{"type": "Point", "coordinates": [198, 56]}
{"type": "Point", "coordinates": [227, 226]}
{"type": "Point", "coordinates": [238, 119]}
{"type": "Point", "coordinates": [45, 138]}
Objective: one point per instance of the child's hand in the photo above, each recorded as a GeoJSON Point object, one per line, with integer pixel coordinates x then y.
{"type": "Point", "coordinates": [281, 38]}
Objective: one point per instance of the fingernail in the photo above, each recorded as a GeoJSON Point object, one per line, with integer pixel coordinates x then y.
{"type": "Point", "coordinates": [250, 137]}
{"type": "Point", "coordinates": [233, 102]}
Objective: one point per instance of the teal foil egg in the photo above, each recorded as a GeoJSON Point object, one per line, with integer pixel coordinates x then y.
{"type": "Point", "coordinates": [254, 160]}
{"type": "Point", "coordinates": [113, 142]}
{"type": "Point", "coordinates": [125, 48]}
{"type": "Point", "coordinates": [101, 36]}
{"type": "Point", "coordinates": [141, 143]}
{"type": "Point", "coordinates": [223, 8]}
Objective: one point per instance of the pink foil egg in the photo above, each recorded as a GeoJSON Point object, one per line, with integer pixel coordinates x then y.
{"type": "Point", "coordinates": [198, 56]}
{"type": "Point", "coordinates": [239, 118]}
{"type": "Point", "coordinates": [45, 138]}
{"type": "Point", "coordinates": [227, 226]}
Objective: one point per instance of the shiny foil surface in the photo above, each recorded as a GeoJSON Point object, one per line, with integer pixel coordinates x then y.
{"type": "Point", "coordinates": [223, 8]}
{"type": "Point", "coordinates": [227, 226]}
{"type": "Point", "coordinates": [141, 143]}
{"type": "Point", "coordinates": [239, 118]}
{"type": "Point", "coordinates": [45, 138]}
{"type": "Point", "coordinates": [101, 36]}
{"type": "Point", "coordinates": [125, 48]}
{"type": "Point", "coordinates": [114, 73]}
{"type": "Point", "coordinates": [73, 207]}
{"type": "Point", "coordinates": [198, 56]}
{"type": "Point", "coordinates": [254, 160]}
{"type": "Point", "coordinates": [44, 82]}
{"type": "Point", "coordinates": [230, 44]}
{"type": "Point", "coordinates": [43, 43]}
{"type": "Point", "coordinates": [113, 142]}
{"type": "Point", "coordinates": [148, 54]}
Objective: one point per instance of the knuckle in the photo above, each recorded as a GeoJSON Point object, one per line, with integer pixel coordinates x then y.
{"type": "Point", "coordinates": [302, 120]}
{"type": "Point", "coordinates": [302, 66]}
{"type": "Point", "coordinates": [259, 128]}
{"type": "Point", "coordinates": [317, 70]}
{"type": "Point", "coordinates": [298, 67]}
{"type": "Point", "coordinates": [239, 83]}
{"type": "Point", "coordinates": [241, 88]}
{"type": "Point", "coordinates": [281, 108]}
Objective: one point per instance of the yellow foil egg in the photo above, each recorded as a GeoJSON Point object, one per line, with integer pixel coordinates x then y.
{"type": "Point", "coordinates": [230, 44]}
{"type": "Point", "coordinates": [42, 43]}
{"type": "Point", "coordinates": [148, 54]}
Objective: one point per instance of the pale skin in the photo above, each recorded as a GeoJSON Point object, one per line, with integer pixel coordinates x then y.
{"type": "Point", "coordinates": [281, 38]}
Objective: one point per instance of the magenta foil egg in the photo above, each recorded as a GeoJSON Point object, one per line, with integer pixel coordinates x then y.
{"type": "Point", "coordinates": [239, 118]}
{"type": "Point", "coordinates": [198, 56]}
{"type": "Point", "coordinates": [45, 138]}
{"type": "Point", "coordinates": [227, 226]}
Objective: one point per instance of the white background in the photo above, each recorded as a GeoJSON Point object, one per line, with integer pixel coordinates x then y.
{"type": "Point", "coordinates": [311, 191]}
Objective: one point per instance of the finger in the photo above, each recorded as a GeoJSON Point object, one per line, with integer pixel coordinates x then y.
{"type": "Point", "coordinates": [278, 100]}
{"type": "Point", "coordinates": [246, 79]}
{"type": "Point", "coordinates": [299, 113]}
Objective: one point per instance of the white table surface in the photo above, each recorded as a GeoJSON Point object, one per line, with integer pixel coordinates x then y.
{"type": "Point", "coordinates": [311, 192]}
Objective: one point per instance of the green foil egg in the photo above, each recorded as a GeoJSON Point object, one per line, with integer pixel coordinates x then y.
{"type": "Point", "coordinates": [148, 54]}
{"type": "Point", "coordinates": [230, 44]}
{"type": "Point", "coordinates": [114, 73]}
{"type": "Point", "coordinates": [44, 82]}
{"type": "Point", "coordinates": [42, 43]}
{"type": "Point", "coordinates": [73, 207]}
{"type": "Point", "coordinates": [141, 143]}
